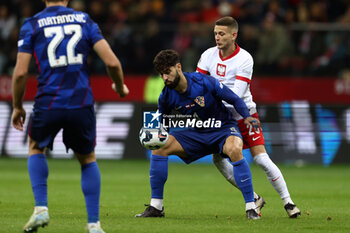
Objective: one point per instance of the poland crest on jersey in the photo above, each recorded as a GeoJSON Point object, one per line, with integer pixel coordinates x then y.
{"type": "Point", "coordinates": [221, 69]}
{"type": "Point", "coordinates": [200, 101]}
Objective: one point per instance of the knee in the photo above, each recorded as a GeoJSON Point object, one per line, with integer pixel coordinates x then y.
{"type": "Point", "coordinates": [235, 153]}
{"type": "Point", "coordinates": [86, 159]}
{"type": "Point", "coordinates": [34, 147]}
{"type": "Point", "coordinates": [161, 152]}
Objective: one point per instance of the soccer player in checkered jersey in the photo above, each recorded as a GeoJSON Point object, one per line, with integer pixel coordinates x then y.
{"type": "Point", "coordinates": [233, 66]}
{"type": "Point", "coordinates": [60, 39]}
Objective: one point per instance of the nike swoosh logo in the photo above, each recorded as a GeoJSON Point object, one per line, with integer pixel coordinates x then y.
{"type": "Point", "coordinates": [275, 179]}
{"type": "Point", "coordinates": [245, 180]}
{"type": "Point", "coordinates": [254, 139]}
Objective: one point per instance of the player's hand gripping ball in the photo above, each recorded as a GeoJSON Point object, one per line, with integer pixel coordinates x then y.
{"type": "Point", "coordinates": [153, 139]}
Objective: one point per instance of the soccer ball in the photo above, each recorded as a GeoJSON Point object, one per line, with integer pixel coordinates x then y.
{"type": "Point", "coordinates": [153, 139]}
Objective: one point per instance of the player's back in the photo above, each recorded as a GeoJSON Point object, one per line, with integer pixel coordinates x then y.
{"type": "Point", "coordinates": [60, 40]}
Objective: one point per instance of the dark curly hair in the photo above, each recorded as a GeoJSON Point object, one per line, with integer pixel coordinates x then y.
{"type": "Point", "coordinates": [166, 59]}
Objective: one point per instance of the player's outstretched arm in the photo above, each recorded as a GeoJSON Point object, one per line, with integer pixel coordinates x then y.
{"type": "Point", "coordinates": [19, 82]}
{"type": "Point", "coordinates": [114, 68]}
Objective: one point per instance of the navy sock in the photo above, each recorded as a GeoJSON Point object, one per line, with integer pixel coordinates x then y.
{"type": "Point", "coordinates": [158, 175]}
{"type": "Point", "coordinates": [91, 186]}
{"type": "Point", "coordinates": [38, 172]}
{"type": "Point", "coordinates": [243, 178]}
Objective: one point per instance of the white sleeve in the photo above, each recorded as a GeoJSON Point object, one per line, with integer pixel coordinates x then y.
{"type": "Point", "coordinates": [243, 77]}
{"type": "Point", "coordinates": [240, 87]}
{"type": "Point", "coordinates": [246, 69]}
{"type": "Point", "coordinates": [202, 66]}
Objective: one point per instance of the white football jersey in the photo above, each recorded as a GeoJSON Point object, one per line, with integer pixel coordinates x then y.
{"type": "Point", "coordinates": [235, 71]}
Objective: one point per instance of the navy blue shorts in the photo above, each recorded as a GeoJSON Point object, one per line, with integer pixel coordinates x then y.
{"type": "Point", "coordinates": [199, 143]}
{"type": "Point", "coordinates": [79, 128]}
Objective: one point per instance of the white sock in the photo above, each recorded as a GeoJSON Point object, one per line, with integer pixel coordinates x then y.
{"type": "Point", "coordinates": [255, 196]}
{"type": "Point", "coordinates": [287, 200]}
{"type": "Point", "coordinates": [92, 224]}
{"type": "Point", "coordinates": [38, 209]}
{"type": "Point", "coordinates": [226, 169]}
{"type": "Point", "coordinates": [157, 203]}
{"type": "Point", "coordinates": [250, 205]}
{"type": "Point", "coordinates": [273, 174]}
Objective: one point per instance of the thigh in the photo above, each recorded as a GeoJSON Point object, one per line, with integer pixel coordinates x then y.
{"type": "Point", "coordinates": [172, 147]}
{"type": "Point", "coordinates": [43, 127]}
{"type": "Point", "coordinates": [193, 145]}
{"type": "Point", "coordinates": [79, 132]}
{"type": "Point", "coordinates": [251, 136]}
{"type": "Point", "coordinates": [220, 136]}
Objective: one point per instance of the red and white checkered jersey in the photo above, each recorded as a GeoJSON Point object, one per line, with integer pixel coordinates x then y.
{"type": "Point", "coordinates": [235, 71]}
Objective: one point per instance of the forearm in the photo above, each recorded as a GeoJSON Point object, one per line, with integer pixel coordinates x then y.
{"type": "Point", "coordinates": [116, 74]}
{"type": "Point", "coordinates": [113, 66]}
{"type": "Point", "coordinates": [19, 83]}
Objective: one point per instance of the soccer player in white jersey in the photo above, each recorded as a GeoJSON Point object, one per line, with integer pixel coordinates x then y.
{"type": "Point", "coordinates": [233, 66]}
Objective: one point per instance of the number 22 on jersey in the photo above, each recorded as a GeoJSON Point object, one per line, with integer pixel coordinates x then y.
{"type": "Point", "coordinates": [58, 33]}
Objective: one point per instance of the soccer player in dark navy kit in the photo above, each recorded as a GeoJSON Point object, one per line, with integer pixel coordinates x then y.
{"type": "Point", "coordinates": [201, 96]}
{"type": "Point", "coordinates": [60, 40]}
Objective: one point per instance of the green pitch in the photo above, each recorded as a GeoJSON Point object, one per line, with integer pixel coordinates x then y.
{"type": "Point", "coordinates": [198, 199]}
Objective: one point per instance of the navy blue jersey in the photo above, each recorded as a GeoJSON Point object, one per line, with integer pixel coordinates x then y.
{"type": "Point", "coordinates": [60, 39]}
{"type": "Point", "coordinates": [203, 99]}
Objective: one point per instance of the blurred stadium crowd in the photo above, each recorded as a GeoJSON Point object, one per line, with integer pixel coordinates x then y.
{"type": "Point", "coordinates": [285, 37]}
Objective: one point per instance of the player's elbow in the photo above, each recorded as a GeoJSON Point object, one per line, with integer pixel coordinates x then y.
{"type": "Point", "coordinates": [19, 74]}
{"type": "Point", "coordinates": [113, 64]}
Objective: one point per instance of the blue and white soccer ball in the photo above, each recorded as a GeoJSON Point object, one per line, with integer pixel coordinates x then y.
{"type": "Point", "coordinates": [153, 139]}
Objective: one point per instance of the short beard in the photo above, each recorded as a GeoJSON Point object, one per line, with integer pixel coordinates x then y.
{"type": "Point", "coordinates": [175, 83]}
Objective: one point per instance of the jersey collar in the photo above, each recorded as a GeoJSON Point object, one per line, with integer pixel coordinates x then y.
{"type": "Point", "coordinates": [54, 8]}
{"type": "Point", "coordinates": [232, 54]}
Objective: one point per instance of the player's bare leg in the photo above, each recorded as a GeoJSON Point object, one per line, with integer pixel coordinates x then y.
{"type": "Point", "coordinates": [38, 173]}
{"type": "Point", "coordinates": [242, 174]}
{"type": "Point", "coordinates": [159, 175]}
{"type": "Point", "coordinates": [91, 186]}
{"type": "Point", "coordinates": [274, 175]}
{"type": "Point", "coordinates": [226, 169]}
